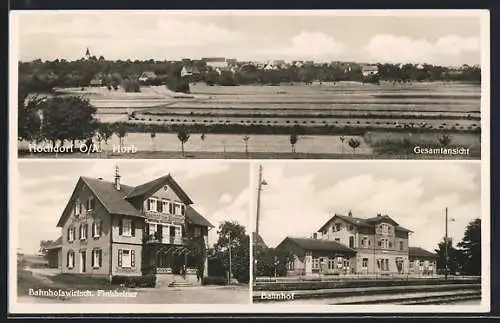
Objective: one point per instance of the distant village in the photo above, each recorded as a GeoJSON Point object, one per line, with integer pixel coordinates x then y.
{"type": "Point", "coordinates": [91, 70]}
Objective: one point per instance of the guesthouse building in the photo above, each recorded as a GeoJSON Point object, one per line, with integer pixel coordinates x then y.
{"type": "Point", "coordinates": [110, 229]}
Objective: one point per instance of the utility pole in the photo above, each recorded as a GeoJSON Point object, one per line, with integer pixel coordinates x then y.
{"type": "Point", "coordinates": [446, 245]}
{"type": "Point", "coordinates": [259, 190]}
{"type": "Point", "coordinates": [261, 182]}
{"type": "Point", "coordinates": [230, 262]}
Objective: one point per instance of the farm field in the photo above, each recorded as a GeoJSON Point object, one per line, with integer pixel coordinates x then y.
{"type": "Point", "coordinates": [381, 116]}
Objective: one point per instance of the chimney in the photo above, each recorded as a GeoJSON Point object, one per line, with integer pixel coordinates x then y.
{"type": "Point", "coordinates": [350, 213]}
{"type": "Point", "coordinates": [100, 178]}
{"type": "Point", "coordinates": [315, 235]}
{"type": "Point", "coordinates": [378, 214]}
{"type": "Point", "coordinates": [117, 178]}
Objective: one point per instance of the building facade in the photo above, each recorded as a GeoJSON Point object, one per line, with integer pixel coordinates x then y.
{"type": "Point", "coordinates": [352, 245]}
{"type": "Point", "coordinates": [111, 229]}
{"type": "Point", "coordinates": [422, 262]}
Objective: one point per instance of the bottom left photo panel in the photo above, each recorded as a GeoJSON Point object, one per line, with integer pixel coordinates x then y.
{"type": "Point", "coordinates": [144, 232]}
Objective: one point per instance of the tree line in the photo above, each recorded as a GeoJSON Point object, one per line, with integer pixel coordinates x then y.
{"type": "Point", "coordinates": [43, 76]}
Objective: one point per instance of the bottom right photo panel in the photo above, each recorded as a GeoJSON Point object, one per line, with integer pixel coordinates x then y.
{"type": "Point", "coordinates": [369, 233]}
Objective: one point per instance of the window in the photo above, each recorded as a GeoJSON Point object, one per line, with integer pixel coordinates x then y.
{"type": "Point", "coordinates": [178, 233]}
{"type": "Point", "coordinates": [83, 231]}
{"type": "Point", "coordinates": [78, 208]}
{"type": "Point", "coordinates": [331, 263]}
{"type": "Point", "coordinates": [90, 204]}
{"type": "Point", "coordinates": [315, 264]}
{"type": "Point", "coordinates": [365, 262]}
{"type": "Point", "coordinates": [152, 229]}
{"type": "Point", "coordinates": [126, 258]}
{"type": "Point", "coordinates": [351, 227]}
{"type": "Point", "coordinates": [338, 226]}
{"type": "Point", "coordinates": [197, 231]}
{"type": "Point", "coordinates": [337, 240]}
{"type": "Point", "coordinates": [390, 244]}
{"type": "Point", "coordinates": [71, 234]}
{"type": "Point", "coordinates": [96, 229]}
{"type": "Point", "coordinates": [70, 259]}
{"type": "Point", "coordinates": [159, 206]}
{"type": "Point", "coordinates": [290, 264]}
{"type": "Point", "coordinates": [351, 242]}
{"type": "Point", "coordinates": [165, 207]}
{"type": "Point", "coordinates": [96, 258]}
{"type": "Point", "coordinates": [179, 209]}
{"type": "Point", "coordinates": [401, 246]}
{"type": "Point", "coordinates": [151, 204]}
{"type": "Point", "coordinates": [126, 228]}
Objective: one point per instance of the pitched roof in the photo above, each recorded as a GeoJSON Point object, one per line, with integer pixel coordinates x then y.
{"type": "Point", "coordinates": [418, 252]}
{"type": "Point", "coordinates": [193, 217]}
{"type": "Point", "coordinates": [319, 245]}
{"type": "Point", "coordinates": [113, 200]}
{"type": "Point", "coordinates": [360, 222]}
{"type": "Point", "coordinates": [154, 185]}
{"type": "Point", "coordinates": [116, 201]}
{"type": "Point", "coordinates": [257, 240]}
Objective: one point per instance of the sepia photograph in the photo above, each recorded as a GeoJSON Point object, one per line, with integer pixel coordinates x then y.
{"type": "Point", "coordinates": [132, 233]}
{"type": "Point", "coordinates": [368, 233]}
{"type": "Point", "coordinates": [250, 84]}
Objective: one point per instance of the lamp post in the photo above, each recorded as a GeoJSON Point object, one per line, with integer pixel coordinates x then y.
{"type": "Point", "coordinates": [446, 243]}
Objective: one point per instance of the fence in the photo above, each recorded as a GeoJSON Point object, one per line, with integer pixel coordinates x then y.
{"type": "Point", "coordinates": [323, 278]}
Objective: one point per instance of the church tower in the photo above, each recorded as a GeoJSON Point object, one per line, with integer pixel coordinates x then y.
{"type": "Point", "coordinates": [87, 54]}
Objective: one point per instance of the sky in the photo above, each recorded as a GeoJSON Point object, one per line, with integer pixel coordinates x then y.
{"type": "Point", "coordinates": [300, 197]}
{"type": "Point", "coordinates": [433, 38]}
{"type": "Point", "coordinates": [220, 191]}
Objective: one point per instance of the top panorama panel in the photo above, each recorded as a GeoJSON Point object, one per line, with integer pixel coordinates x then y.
{"type": "Point", "coordinates": [258, 85]}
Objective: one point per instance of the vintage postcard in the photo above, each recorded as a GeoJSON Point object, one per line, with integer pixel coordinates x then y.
{"type": "Point", "coordinates": [250, 84]}
{"type": "Point", "coordinates": [251, 161]}
{"type": "Point", "coordinates": [142, 232]}
{"type": "Point", "coordinates": [383, 235]}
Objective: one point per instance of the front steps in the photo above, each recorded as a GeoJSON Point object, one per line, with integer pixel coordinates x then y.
{"type": "Point", "coordinates": [171, 280]}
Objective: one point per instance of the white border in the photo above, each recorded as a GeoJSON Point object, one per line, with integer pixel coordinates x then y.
{"type": "Point", "coordinates": [25, 308]}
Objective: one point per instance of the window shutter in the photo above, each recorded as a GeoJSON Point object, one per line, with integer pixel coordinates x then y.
{"type": "Point", "coordinates": [67, 238]}
{"type": "Point", "coordinates": [100, 228]}
{"type": "Point", "coordinates": [132, 227]}
{"type": "Point", "coordinates": [132, 258]}
{"type": "Point", "coordinates": [67, 259]}
{"type": "Point", "coordinates": [120, 254]}
{"type": "Point", "coordinates": [120, 229]}
{"type": "Point", "coordinates": [80, 232]}
{"type": "Point", "coordinates": [171, 208]}
{"type": "Point", "coordinates": [100, 257]}
{"type": "Point", "coordinates": [86, 230]}
{"type": "Point", "coordinates": [92, 256]}
{"type": "Point", "coordinates": [159, 206]}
